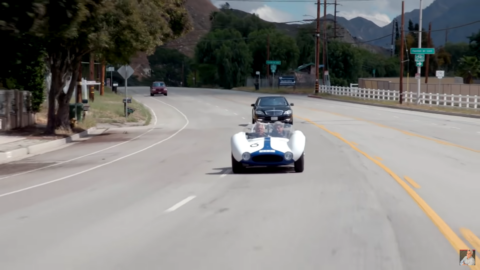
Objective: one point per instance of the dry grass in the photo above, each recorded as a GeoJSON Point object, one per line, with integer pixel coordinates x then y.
{"type": "Point", "coordinates": [280, 91]}
{"type": "Point", "coordinates": [433, 108]}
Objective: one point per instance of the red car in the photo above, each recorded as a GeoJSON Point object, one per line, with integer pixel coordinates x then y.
{"type": "Point", "coordinates": [158, 88]}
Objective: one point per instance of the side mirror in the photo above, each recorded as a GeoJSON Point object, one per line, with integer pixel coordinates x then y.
{"type": "Point", "coordinates": [253, 105]}
{"type": "Point", "coordinates": [291, 104]}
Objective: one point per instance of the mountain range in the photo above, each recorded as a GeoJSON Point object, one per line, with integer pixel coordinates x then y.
{"type": "Point", "coordinates": [441, 14]}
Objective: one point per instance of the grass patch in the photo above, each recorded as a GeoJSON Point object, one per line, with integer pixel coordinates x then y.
{"type": "Point", "coordinates": [109, 108]}
{"type": "Point", "coordinates": [281, 90]}
{"type": "Point", "coordinates": [426, 107]}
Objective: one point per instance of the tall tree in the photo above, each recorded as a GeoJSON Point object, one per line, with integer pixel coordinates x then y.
{"type": "Point", "coordinates": [305, 40]}
{"type": "Point", "coordinates": [474, 42]}
{"type": "Point", "coordinates": [282, 48]}
{"type": "Point", "coordinates": [223, 58]}
{"type": "Point", "coordinates": [169, 65]}
{"type": "Point", "coordinates": [469, 68]}
{"type": "Point", "coordinates": [117, 29]}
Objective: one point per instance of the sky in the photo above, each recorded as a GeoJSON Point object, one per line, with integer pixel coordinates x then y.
{"type": "Point", "coordinates": [380, 12]}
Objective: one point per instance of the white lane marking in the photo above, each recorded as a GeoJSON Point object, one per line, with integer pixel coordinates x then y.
{"type": "Point", "coordinates": [108, 163]}
{"type": "Point", "coordinates": [225, 172]}
{"type": "Point", "coordinates": [453, 127]}
{"type": "Point", "coordinates": [243, 117]}
{"type": "Point", "coordinates": [180, 204]}
{"type": "Point", "coordinates": [235, 113]}
{"type": "Point", "coordinates": [93, 153]}
{"type": "Point", "coordinates": [478, 132]}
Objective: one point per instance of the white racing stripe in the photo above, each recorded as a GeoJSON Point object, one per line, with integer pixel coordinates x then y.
{"type": "Point", "coordinates": [93, 153]}
{"type": "Point", "coordinates": [105, 164]}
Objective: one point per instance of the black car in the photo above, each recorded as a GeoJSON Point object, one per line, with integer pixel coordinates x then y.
{"type": "Point", "coordinates": [272, 109]}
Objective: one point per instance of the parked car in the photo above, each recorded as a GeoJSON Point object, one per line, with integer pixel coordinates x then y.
{"type": "Point", "coordinates": [271, 109]}
{"type": "Point", "coordinates": [158, 88]}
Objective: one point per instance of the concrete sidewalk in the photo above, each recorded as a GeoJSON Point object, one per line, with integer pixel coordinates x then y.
{"type": "Point", "coordinates": [14, 148]}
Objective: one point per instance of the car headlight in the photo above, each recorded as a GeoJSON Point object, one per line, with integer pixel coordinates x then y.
{"type": "Point", "coordinates": [259, 112]}
{"type": "Point", "coordinates": [288, 112]}
{"type": "Point", "coordinates": [246, 156]}
{"type": "Point", "coordinates": [288, 155]}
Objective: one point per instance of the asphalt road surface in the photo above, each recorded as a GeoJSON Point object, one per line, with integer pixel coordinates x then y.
{"type": "Point", "coordinates": [382, 189]}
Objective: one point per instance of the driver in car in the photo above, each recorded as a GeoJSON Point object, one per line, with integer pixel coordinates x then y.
{"type": "Point", "coordinates": [278, 130]}
{"type": "Point", "coordinates": [259, 131]}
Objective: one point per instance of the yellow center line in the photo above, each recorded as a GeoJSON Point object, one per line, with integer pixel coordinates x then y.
{"type": "Point", "coordinates": [451, 236]}
{"type": "Point", "coordinates": [474, 241]}
{"type": "Point", "coordinates": [413, 183]}
{"type": "Point", "coordinates": [400, 130]}
{"type": "Point", "coordinates": [378, 158]}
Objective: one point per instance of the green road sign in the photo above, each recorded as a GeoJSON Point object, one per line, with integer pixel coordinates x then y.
{"type": "Point", "coordinates": [419, 57]}
{"type": "Point", "coordinates": [273, 68]}
{"type": "Point", "coordinates": [419, 64]}
{"type": "Point", "coordinates": [422, 50]}
{"type": "Point", "coordinates": [274, 62]}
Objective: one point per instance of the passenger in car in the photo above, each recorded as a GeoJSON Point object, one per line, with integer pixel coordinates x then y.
{"type": "Point", "coordinates": [278, 130]}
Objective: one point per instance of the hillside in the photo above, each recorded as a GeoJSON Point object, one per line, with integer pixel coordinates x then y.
{"type": "Point", "coordinates": [199, 12]}
{"type": "Point", "coordinates": [441, 13]}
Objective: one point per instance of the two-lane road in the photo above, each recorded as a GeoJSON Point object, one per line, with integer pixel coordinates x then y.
{"type": "Point", "coordinates": [382, 189]}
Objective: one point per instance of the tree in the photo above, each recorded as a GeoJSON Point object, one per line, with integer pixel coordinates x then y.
{"type": "Point", "coordinates": [456, 52]}
{"type": "Point", "coordinates": [345, 63]}
{"type": "Point", "coordinates": [115, 29]}
{"type": "Point", "coordinates": [305, 40]}
{"type": "Point", "coordinates": [474, 42]}
{"type": "Point", "coordinates": [469, 67]}
{"type": "Point", "coordinates": [223, 58]}
{"type": "Point", "coordinates": [282, 48]}
{"type": "Point", "coordinates": [227, 19]}
{"type": "Point", "coordinates": [169, 65]}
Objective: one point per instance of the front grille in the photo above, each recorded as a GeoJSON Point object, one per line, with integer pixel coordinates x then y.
{"type": "Point", "coordinates": [267, 158]}
{"type": "Point", "coordinates": [274, 113]}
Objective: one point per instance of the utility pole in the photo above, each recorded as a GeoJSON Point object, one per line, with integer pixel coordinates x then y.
{"type": "Point", "coordinates": [401, 53]}
{"type": "Point", "coordinates": [429, 42]}
{"type": "Point", "coordinates": [393, 37]}
{"type": "Point", "coordinates": [335, 21]}
{"type": "Point", "coordinates": [419, 69]}
{"type": "Point", "coordinates": [78, 99]}
{"type": "Point", "coordinates": [324, 39]}
{"type": "Point", "coordinates": [92, 76]}
{"type": "Point", "coordinates": [317, 49]}
{"type": "Point", "coordinates": [446, 36]}
{"type": "Point", "coordinates": [102, 78]}
{"type": "Point", "coordinates": [183, 75]}
{"type": "Point", "coordinates": [268, 58]}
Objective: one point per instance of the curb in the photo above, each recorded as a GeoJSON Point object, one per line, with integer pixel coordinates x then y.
{"type": "Point", "coordinates": [42, 147]}
{"type": "Point", "coordinates": [400, 108]}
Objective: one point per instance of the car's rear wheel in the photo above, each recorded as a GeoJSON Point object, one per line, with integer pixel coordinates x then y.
{"type": "Point", "coordinates": [299, 164]}
{"type": "Point", "coordinates": [165, 94]}
{"type": "Point", "coordinates": [237, 167]}
{"type": "Point", "coordinates": [151, 94]}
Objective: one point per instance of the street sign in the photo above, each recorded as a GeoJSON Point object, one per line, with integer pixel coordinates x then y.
{"type": "Point", "coordinates": [273, 68]}
{"type": "Point", "coordinates": [419, 64]}
{"type": "Point", "coordinates": [125, 71]}
{"type": "Point", "coordinates": [110, 69]}
{"type": "Point", "coordinates": [440, 74]}
{"type": "Point", "coordinates": [274, 62]}
{"type": "Point", "coordinates": [417, 76]}
{"type": "Point", "coordinates": [419, 57]}
{"type": "Point", "coordinates": [422, 50]}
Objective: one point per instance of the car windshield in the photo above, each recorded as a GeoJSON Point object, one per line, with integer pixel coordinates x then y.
{"type": "Point", "coordinates": [158, 84]}
{"type": "Point", "coordinates": [273, 101]}
{"type": "Point", "coordinates": [262, 130]}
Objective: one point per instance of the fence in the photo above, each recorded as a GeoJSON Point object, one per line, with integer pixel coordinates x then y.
{"type": "Point", "coordinates": [15, 109]}
{"type": "Point", "coordinates": [449, 86]}
{"type": "Point", "coordinates": [462, 101]}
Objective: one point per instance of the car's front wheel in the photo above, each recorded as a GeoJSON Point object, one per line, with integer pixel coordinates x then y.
{"type": "Point", "coordinates": [237, 167]}
{"type": "Point", "coordinates": [151, 94]}
{"type": "Point", "coordinates": [165, 94]}
{"type": "Point", "coordinates": [299, 164]}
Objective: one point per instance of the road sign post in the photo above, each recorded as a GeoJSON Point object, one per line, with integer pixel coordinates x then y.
{"type": "Point", "coordinates": [440, 74]}
{"type": "Point", "coordinates": [126, 71]}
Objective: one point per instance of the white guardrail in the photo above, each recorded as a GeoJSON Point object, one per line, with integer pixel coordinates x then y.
{"type": "Point", "coordinates": [451, 100]}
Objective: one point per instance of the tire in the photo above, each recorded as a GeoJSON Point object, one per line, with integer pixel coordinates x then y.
{"type": "Point", "coordinates": [253, 121]}
{"type": "Point", "coordinates": [165, 94]}
{"type": "Point", "coordinates": [151, 94]}
{"type": "Point", "coordinates": [299, 164]}
{"type": "Point", "coordinates": [236, 166]}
